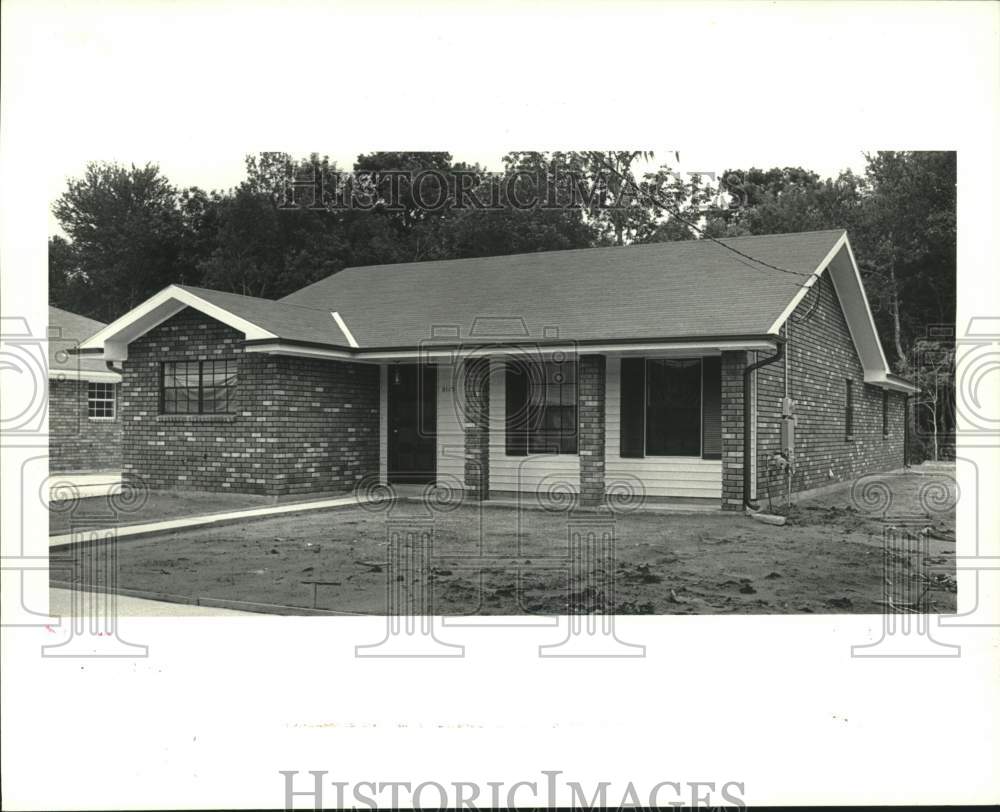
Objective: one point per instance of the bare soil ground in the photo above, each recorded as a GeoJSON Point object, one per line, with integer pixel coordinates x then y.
{"type": "Point", "coordinates": [827, 559]}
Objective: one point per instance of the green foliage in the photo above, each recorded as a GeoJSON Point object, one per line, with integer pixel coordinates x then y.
{"type": "Point", "coordinates": [125, 237]}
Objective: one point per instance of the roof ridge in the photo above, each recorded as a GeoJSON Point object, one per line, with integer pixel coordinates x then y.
{"type": "Point", "coordinates": [281, 301]}
{"type": "Point", "coordinates": [695, 241]}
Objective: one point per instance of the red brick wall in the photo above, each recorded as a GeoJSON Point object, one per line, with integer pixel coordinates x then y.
{"type": "Point", "coordinates": [77, 443]}
{"type": "Point", "coordinates": [733, 364]}
{"type": "Point", "coordinates": [591, 422]}
{"type": "Point", "coordinates": [299, 425]}
{"type": "Point", "coordinates": [820, 358]}
{"type": "Point", "coordinates": [475, 377]}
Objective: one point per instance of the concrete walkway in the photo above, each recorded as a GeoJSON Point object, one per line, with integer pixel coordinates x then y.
{"type": "Point", "coordinates": [328, 503]}
{"type": "Point", "coordinates": [60, 603]}
{"type": "Point", "coordinates": [82, 484]}
{"type": "Point", "coordinates": [168, 525]}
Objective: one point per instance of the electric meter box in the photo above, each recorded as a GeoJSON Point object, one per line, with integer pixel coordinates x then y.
{"type": "Point", "coordinates": [788, 436]}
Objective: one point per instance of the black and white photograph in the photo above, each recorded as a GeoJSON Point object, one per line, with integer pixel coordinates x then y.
{"type": "Point", "coordinates": [438, 407]}
{"type": "Point", "coordinates": [423, 387]}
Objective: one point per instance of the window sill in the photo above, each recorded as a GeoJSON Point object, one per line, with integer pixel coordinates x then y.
{"type": "Point", "coordinates": [101, 419]}
{"type": "Point", "coordinates": [670, 457]}
{"type": "Point", "coordinates": [537, 455]}
{"type": "Point", "coordinates": [196, 418]}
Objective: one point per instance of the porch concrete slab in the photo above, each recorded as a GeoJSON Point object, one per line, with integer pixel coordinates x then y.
{"type": "Point", "coordinates": [168, 525]}
{"type": "Point", "coordinates": [82, 484]}
{"type": "Point", "coordinates": [527, 503]}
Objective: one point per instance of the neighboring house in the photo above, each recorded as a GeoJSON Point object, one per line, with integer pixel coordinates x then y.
{"type": "Point", "coordinates": [598, 371]}
{"type": "Point", "coordinates": [85, 430]}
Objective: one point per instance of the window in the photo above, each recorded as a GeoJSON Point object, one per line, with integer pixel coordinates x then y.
{"type": "Point", "coordinates": [885, 413]}
{"type": "Point", "coordinates": [198, 387]}
{"type": "Point", "coordinates": [671, 407]}
{"type": "Point", "coordinates": [101, 401]}
{"type": "Point", "coordinates": [849, 410]}
{"type": "Point", "coordinates": [541, 408]}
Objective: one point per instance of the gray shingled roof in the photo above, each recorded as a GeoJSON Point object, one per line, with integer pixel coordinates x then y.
{"type": "Point", "coordinates": [688, 289]}
{"type": "Point", "coordinates": [66, 331]}
{"type": "Point", "coordinates": [291, 321]}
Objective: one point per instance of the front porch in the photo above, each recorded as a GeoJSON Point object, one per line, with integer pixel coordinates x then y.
{"type": "Point", "coordinates": [575, 428]}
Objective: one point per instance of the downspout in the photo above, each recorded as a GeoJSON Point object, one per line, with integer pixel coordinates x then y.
{"type": "Point", "coordinates": [906, 431]}
{"type": "Point", "coordinates": [747, 451]}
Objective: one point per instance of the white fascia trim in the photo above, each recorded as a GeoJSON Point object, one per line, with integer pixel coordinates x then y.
{"type": "Point", "coordinates": [430, 353]}
{"type": "Point", "coordinates": [84, 375]}
{"type": "Point", "coordinates": [807, 285]}
{"type": "Point", "coordinates": [114, 338]}
{"type": "Point", "coordinates": [881, 381]}
{"type": "Point", "coordinates": [868, 309]}
{"type": "Point", "coordinates": [843, 242]}
{"type": "Point", "coordinates": [351, 342]}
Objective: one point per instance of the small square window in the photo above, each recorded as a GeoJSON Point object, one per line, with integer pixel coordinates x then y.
{"type": "Point", "coordinates": [100, 401]}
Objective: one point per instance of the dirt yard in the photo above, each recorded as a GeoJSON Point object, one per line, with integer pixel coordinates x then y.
{"type": "Point", "coordinates": [827, 559]}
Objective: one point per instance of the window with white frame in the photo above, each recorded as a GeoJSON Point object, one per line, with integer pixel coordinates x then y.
{"type": "Point", "coordinates": [100, 401]}
{"type": "Point", "coordinates": [541, 407]}
{"type": "Point", "coordinates": [671, 407]}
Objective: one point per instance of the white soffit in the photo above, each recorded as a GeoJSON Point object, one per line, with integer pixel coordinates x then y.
{"type": "Point", "coordinates": [84, 375]}
{"type": "Point", "coordinates": [678, 349]}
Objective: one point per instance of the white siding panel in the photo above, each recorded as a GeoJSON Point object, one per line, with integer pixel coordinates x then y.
{"type": "Point", "coordinates": [383, 423]}
{"type": "Point", "coordinates": [659, 476]}
{"type": "Point", "coordinates": [450, 432]}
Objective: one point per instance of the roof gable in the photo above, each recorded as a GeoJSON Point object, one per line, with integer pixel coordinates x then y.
{"type": "Point", "coordinates": [257, 319]}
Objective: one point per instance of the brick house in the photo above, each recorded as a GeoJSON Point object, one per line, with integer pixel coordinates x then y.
{"type": "Point", "coordinates": [85, 431]}
{"type": "Point", "coordinates": [672, 370]}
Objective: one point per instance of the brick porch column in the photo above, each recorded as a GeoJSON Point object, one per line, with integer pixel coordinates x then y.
{"type": "Point", "coordinates": [590, 382]}
{"type": "Point", "coordinates": [733, 364]}
{"type": "Point", "coordinates": [475, 377]}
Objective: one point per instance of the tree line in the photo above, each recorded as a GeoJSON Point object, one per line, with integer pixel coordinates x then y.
{"type": "Point", "coordinates": [129, 231]}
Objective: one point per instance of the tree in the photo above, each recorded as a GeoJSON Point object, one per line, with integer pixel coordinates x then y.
{"type": "Point", "coordinates": [677, 207]}
{"type": "Point", "coordinates": [934, 406]}
{"type": "Point", "coordinates": [627, 210]}
{"type": "Point", "coordinates": [254, 244]}
{"type": "Point", "coordinates": [554, 224]}
{"type": "Point", "coordinates": [125, 236]}
{"type": "Point", "coordinates": [908, 233]}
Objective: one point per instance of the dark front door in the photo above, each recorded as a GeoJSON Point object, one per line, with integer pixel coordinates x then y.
{"type": "Point", "coordinates": [412, 423]}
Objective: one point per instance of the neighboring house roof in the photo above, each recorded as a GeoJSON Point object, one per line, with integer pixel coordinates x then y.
{"type": "Point", "coordinates": [67, 331]}
{"type": "Point", "coordinates": [696, 293]}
